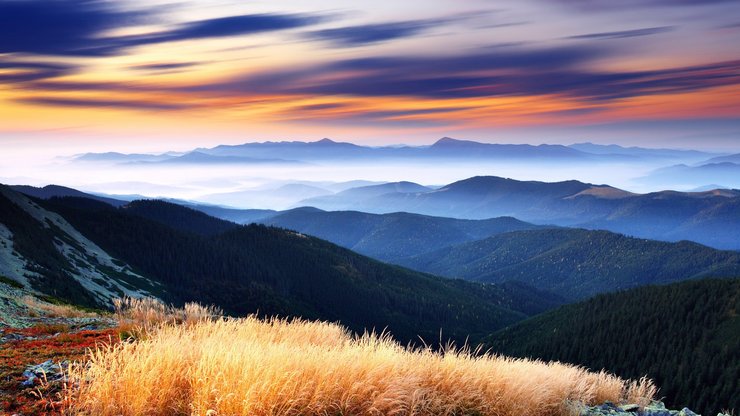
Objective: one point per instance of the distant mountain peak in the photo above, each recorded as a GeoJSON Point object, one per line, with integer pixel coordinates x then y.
{"type": "Point", "coordinates": [603, 192]}
{"type": "Point", "coordinates": [326, 141]}
{"type": "Point", "coordinates": [449, 141]}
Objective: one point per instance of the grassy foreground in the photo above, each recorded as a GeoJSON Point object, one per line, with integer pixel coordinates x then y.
{"type": "Point", "coordinates": [259, 367]}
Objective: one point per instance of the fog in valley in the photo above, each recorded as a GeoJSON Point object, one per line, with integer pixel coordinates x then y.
{"type": "Point", "coordinates": [264, 186]}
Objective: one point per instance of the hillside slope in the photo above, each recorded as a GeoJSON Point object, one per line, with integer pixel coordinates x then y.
{"type": "Point", "coordinates": [50, 191]}
{"type": "Point", "coordinates": [576, 263]}
{"type": "Point", "coordinates": [42, 252]}
{"type": "Point", "coordinates": [685, 336]}
{"type": "Point", "coordinates": [273, 271]}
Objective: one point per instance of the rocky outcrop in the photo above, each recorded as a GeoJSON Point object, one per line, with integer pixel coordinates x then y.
{"type": "Point", "coordinates": [653, 409]}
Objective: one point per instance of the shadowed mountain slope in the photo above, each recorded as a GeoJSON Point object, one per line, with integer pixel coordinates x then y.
{"type": "Point", "coordinates": [576, 263]}
{"type": "Point", "coordinates": [685, 336]}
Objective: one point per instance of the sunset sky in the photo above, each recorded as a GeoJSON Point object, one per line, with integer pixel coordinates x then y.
{"type": "Point", "coordinates": [88, 75]}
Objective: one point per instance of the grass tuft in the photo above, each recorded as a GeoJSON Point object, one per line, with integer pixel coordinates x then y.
{"type": "Point", "coordinates": [56, 310]}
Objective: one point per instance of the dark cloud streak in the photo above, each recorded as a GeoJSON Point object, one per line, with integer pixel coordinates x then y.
{"type": "Point", "coordinates": [375, 33]}
{"type": "Point", "coordinates": [100, 103]}
{"type": "Point", "coordinates": [486, 73]}
{"type": "Point", "coordinates": [224, 27]}
{"type": "Point", "coordinates": [625, 33]}
{"type": "Point", "coordinates": [25, 71]}
{"type": "Point", "coordinates": [560, 71]}
{"type": "Point", "coordinates": [60, 27]}
{"type": "Point", "coordinates": [78, 27]}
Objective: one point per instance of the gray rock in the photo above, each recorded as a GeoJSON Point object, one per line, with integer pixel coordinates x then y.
{"type": "Point", "coordinates": [48, 371]}
{"type": "Point", "coordinates": [653, 409]}
{"type": "Point", "coordinates": [629, 407]}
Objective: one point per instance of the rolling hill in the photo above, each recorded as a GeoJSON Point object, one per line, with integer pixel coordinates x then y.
{"type": "Point", "coordinates": [576, 263]}
{"type": "Point", "coordinates": [685, 336]}
{"type": "Point", "coordinates": [393, 236]}
{"type": "Point", "coordinates": [248, 269]}
{"type": "Point", "coordinates": [474, 198]}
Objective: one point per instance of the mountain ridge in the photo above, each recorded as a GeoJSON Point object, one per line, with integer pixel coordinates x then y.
{"type": "Point", "coordinates": [327, 149]}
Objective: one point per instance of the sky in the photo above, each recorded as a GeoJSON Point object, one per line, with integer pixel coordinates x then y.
{"type": "Point", "coordinates": [135, 75]}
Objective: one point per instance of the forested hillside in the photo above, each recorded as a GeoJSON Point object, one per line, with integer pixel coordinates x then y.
{"type": "Point", "coordinates": [685, 336]}
{"type": "Point", "coordinates": [179, 217]}
{"type": "Point", "coordinates": [576, 263]}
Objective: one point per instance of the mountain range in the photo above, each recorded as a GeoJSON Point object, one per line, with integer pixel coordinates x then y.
{"type": "Point", "coordinates": [641, 152]}
{"type": "Point", "coordinates": [574, 263]}
{"type": "Point", "coordinates": [172, 248]}
{"type": "Point", "coordinates": [711, 217]}
{"type": "Point", "coordinates": [445, 148]}
{"type": "Point", "coordinates": [86, 252]}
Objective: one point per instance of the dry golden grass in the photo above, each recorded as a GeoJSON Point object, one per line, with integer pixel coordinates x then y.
{"type": "Point", "coordinates": [279, 367]}
{"type": "Point", "coordinates": [149, 313]}
{"type": "Point", "coordinates": [36, 306]}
